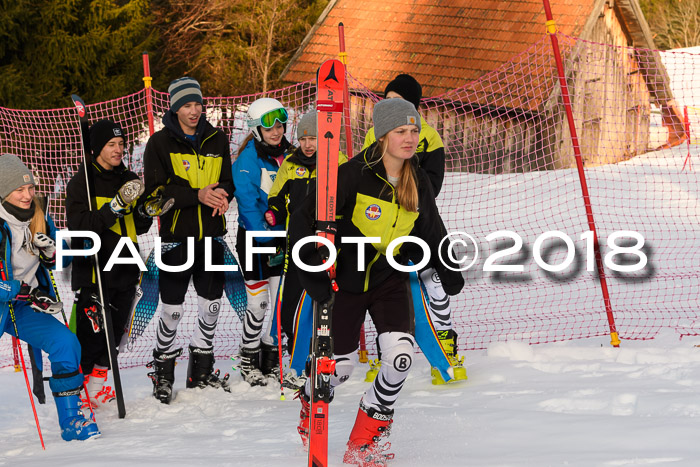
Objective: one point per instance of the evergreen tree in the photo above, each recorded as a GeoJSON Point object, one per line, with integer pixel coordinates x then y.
{"type": "Point", "coordinates": [52, 48]}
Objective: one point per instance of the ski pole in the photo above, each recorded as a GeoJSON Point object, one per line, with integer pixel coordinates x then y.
{"type": "Point", "coordinates": [100, 281]}
{"type": "Point", "coordinates": [279, 335]}
{"type": "Point", "coordinates": [65, 321]}
{"type": "Point", "coordinates": [21, 359]}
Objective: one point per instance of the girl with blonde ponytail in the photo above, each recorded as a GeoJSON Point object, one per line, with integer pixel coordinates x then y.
{"type": "Point", "coordinates": [382, 194]}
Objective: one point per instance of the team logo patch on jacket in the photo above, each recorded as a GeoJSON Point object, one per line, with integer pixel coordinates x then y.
{"type": "Point", "coordinates": [186, 164]}
{"type": "Point", "coordinates": [373, 212]}
{"type": "Point", "coordinates": [301, 171]}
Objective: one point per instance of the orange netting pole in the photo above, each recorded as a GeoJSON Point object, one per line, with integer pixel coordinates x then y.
{"type": "Point", "coordinates": [362, 351]}
{"type": "Point", "coordinates": [346, 108]}
{"type": "Point", "coordinates": [686, 121]}
{"type": "Point", "coordinates": [552, 32]}
{"type": "Point", "coordinates": [147, 85]}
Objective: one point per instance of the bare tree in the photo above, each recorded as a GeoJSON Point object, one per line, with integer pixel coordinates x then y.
{"type": "Point", "coordinates": [278, 10]}
{"type": "Point", "coordinates": [186, 26]}
{"type": "Point", "coordinates": [233, 46]}
{"type": "Point", "coordinates": [675, 23]}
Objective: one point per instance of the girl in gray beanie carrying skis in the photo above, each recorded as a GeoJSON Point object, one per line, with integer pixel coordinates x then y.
{"type": "Point", "coordinates": [381, 193]}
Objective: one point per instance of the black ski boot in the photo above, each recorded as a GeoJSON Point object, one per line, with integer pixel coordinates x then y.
{"type": "Point", "coordinates": [250, 367]}
{"type": "Point", "coordinates": [200, 370]}
{"type": "Point", "coordinates": [164, 375]}
{"type": "Point", "coordinates": [270, 361]}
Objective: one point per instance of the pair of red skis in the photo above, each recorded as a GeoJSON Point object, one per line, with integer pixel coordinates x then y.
{"type": "Point", "coordinates": [329, 107]}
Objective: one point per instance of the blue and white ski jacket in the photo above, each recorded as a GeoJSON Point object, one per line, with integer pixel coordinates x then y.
{"type": "Point", "coordinates": [10, 288]}
{"type": "Point", "coordinates": [253, 177]}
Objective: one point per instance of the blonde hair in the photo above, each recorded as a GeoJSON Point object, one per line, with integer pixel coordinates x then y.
{"type": "Point", "coordinates": [407, 186]}
{"type": "Point", "coordinates": [38, 222]}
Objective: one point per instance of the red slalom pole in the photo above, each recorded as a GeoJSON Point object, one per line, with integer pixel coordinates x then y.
{"type": "Point", "coordinates": [552, 32]}
{"type": "Point", "coordinates": [149, 90]}
{"type": "Point", "coordinates": [349, 146]}
{"type": "Point", "coordinates": [686, 122]}
{"type": "Point", "coordinates": [346, 93]}
{"type": "Point", "coordinates": [26, 380]}
{"type": "Point", "coordinates": [3, 276]}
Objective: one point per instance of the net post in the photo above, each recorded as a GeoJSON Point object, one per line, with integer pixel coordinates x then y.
{"type": "Point", "coordinates": [346, 94]}
{"type": "Point", "coordinates": [686, 123]}
{"type": "Point", "coordinates": [149, 90]}
{"type": "Point", "coordinates": [551, 31]}
{"type": "Point", "coordinates": [343, 56]}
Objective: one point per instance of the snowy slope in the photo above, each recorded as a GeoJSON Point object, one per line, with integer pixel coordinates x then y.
{"type": "Point", "coordinates": [577, 403]}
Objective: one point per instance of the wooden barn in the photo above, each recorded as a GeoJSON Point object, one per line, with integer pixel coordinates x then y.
{"type": "Point", "coordinates": [489, 77]}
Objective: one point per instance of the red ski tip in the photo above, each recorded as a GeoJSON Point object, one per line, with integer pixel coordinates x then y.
{"type": "Point", "coordinates": [79, 105]}
{"type": "Point", "coordinates": [81, 109]}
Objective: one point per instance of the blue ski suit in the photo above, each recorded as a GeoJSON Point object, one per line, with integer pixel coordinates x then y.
{"type": "Point", "coordinates": [40, 330]}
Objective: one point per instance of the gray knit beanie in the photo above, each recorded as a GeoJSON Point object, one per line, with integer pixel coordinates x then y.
{"type": "Point", "coordinates": [13, 174]}
{"type": "Point", "coordinates": [393, 113]}
{"type": "Point", "coordinates": [182, 91]}
{"type": "Point", "coordinates": [307, 125]}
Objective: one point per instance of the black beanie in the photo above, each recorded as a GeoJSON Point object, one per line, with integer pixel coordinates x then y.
{"type": "Point", "coordinates": [100, 134]}
{"type": "Point", "coordinates": [407, 87]}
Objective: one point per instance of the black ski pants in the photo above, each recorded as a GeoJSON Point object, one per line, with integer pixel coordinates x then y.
{"type": "Point", "coordinates": [389, 304]}
{"type": "Point", "coordinates": [94, 344]}
{"type": "Point", "coordinates": [208, 284]}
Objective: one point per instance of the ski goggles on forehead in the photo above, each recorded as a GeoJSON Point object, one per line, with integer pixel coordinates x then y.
{"type": "Point", "coordinates": [268, 120]}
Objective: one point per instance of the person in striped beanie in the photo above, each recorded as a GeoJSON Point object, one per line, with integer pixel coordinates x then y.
{"type": "Point", "coordinates": [191, 161]}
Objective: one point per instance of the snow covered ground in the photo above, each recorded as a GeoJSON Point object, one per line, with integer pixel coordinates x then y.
{"type": "Point", "coordinates": [578, 403]}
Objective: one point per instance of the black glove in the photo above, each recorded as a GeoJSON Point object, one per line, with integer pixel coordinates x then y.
{"type": "Point", "coordinates": [277, 258]}
{"type": "Point", "coordinates": [93, 311]}
{"type": "Point", "coordinates": [47, 249]}
{"type": "Point", "coordinates": [155, 205]}
{"type": "Point", "coordinates": [38, 299]}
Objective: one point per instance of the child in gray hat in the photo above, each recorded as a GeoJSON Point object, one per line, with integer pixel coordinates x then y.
{"type": "Point", "coordinates": [295, 178]}
{"type": "Point", "coordinates": [27, 298]}
{"type": "Point", "coordinates": [431, 158]}
{"type": "Point", "coordinates": [382, 195]}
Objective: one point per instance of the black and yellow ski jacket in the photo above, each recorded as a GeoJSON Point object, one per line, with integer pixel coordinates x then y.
{"type": "Point", "coordinates": [367, 207]}
{"type": "Point", "coordinates": [430, 152]}
{"type": "Point", "coordinates": [104, 223]}
{"type": "Point", "coordinates": [184, 167]}
{"type": "Point", "coordinates": [294, 179]}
